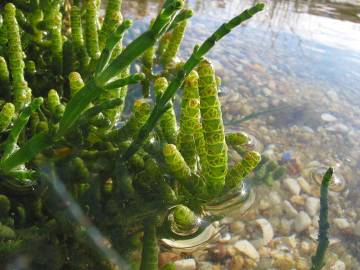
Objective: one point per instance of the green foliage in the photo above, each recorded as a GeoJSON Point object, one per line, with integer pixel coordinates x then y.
{"type": "Point", "coordinates": [126, 172]}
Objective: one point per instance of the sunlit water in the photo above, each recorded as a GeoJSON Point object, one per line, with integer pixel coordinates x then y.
{"type": "Point", "coordinates": [301, 61]}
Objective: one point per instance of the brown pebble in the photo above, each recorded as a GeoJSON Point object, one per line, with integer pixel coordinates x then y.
{"type": "Point", "coordinates": [218, 252]}
{"type": "Point", "coordinates": [298, 200]}
{"type": "Point", "coordinates": [236, 263]}
{"type": "Point", "coordinates": [167, 257]}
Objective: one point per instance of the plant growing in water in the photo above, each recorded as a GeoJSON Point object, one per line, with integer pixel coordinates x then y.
{"type": "Point", "coordinates": [64, 77]}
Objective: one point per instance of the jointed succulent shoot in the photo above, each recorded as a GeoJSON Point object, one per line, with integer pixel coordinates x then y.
{"type": "Point", "coordinates": [130, 174]}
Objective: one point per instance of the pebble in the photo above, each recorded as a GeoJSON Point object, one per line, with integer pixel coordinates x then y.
{"type": "Point", "coordinates": [274, 198]}
{"type": "Point", "coordinates": [267, 230]}
{"type": "Point", "coordinates": [245, 247]}
{"type": "Point", "coordinates": [338, 128]}
{"type": "Point", "coordinates": [289, 209]}
{"type": "Point", "coordinates": [205, 266]}
{"type": "Point", "coordinates": [332, 95]}
{"type": "Point", "coordinates": [338, 265]}
{"type": "Point", "coordinates": [305, 186]}
{"type": "Point", "coordinates": [238, 227]}
{"type": "Point", "coordinates": [302, 222]}
{"type": "Point", "coordinates": [286, 226]}
{"type": "Point", "coordinates": [312, 206]}
{"type": "Point", "coordinates": [292, 185]}
{"type": "Point", "coordinates": [341, 223]}
{"type": "Point", "coordinates": [167, 257]}
{"type": "Point", "coordinates": [185, 264]}
{"type": "Point", "coordinates": [327, 117]}
{"type": "Point", "coordinates": [357, 228]}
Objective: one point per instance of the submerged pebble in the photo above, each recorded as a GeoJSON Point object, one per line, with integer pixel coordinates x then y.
{"type": "Point", "coordinates": [302, 222]}
{"type": "Point", "coordinates": [312, 206]}
{"type": "Point", "coordinates": [245, 247]}
{"type": "Point", "coordinates": [185, 264]}
{"type": "Point", "coordinates": [292, 185]}
{"type": "Point", "coordinates": [327, 117]}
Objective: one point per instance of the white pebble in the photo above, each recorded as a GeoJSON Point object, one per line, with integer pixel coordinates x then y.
{"type": "Point", "coordinates": [341, 223]}
{"type": "Point", "coordinates": [274, 198]}
{"type": "Point", "coordinates": [302, 222]}
{"type": "Point", "coordinates": [289, 209]}
{"type": "Point", "coordinates": [357, 228]}
{"type": "Point", "coordinates": [185, 264]}
{"type": "Point", "coordinates": [248, 249]}
{"type": "Point", "coordinates": [305, 186]}
{"type": "Point", "coordinates": [327, 117]}
{"type": "Point", "coordinates": [338, 265]}
{"type": "Point", "coordinates": [292, 185]}
{"type": "Point", "coordinates": [267, 230]}
{"type": "Point", "coordinates": [312, 206]}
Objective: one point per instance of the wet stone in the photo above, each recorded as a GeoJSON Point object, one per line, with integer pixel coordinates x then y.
{"type": "Point", "coordinates": [292, 185]}
{"type": "Point", "coordinates": [302, 222]}
{"type": "Point", "coordinates": [312, 206]}
{"type": "Point", "coordinates": [185, 264]}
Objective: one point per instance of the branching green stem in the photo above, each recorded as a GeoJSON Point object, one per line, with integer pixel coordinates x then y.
{"type": "Point", "coordinates": [190, 64]}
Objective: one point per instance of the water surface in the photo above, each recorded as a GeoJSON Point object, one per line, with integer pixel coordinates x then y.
{"type": "Point", "coordinates": [300, 59]}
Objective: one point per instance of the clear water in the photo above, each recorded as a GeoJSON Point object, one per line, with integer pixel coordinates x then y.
{"type": "Point", "coordinates": [300, 61]}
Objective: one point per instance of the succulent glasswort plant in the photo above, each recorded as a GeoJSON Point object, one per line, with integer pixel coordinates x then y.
{"type": "Point", "coordinates": [64, 77]}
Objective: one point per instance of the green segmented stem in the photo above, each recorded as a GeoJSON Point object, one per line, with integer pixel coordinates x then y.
{"type": "Point", "coordinates": [93, 88]}
{"type": "Point", "coordinates": [163, 43]}
{"type": "Point", "coordinates": [174, 43]}
{"type": "Point", "coordinates": [150, 251]}
{"type": "Point", "coordinates": [189, 119]}
{"type": "Point", "coordinates": [80, 168]}
{"type": "Point", "coordinates": [194, 59]}
{"type": "Point", "coordinates": [79, 49]}
{"type": "Point", "coordinates": [200, 145]}
{"type": "Point", "coordinates": [213, 128]}
{"type": "Point", "coordinates": [236, 138]}
{"type": "Point", "coordinates": [112, 19]}
{"type": "Point", "coordinates": [22, 93]}
{"type": "Point", "coordinates": [91, 31]}
{"type": "Point", "coordinates": [175, 162]}
{"type": "Point", "coordinates": [242, 169]}
{"type": "Point", "coordinates": [138, 117]}
{"type": "Point", "coordinates": [55, 106]}
{"type": "Point", "coordinates": [323, 239]}
{"type": "Point", "coordinates": [6, 115]}
{"type": "Point", "coordinates": [181, 171]}
{"type": "Point", "coordinates": [76, 83]}
{"type": "Point", "coordinates": [3, 35]}
{"type": "Point", "coordinates": [184, 218]}
{"type": "Point", "coordinates": [168, 119]}
{"type": "Point", "coordinates": [143, 42]}
{"type": "Point", "coordinates": [30, 67]}
{"type": "Point", "coordinates": [117, 89]}
{"type": "Point", "coordinates": [21, 121]}
{"type": "Point", "coordinates": [57, 43]}
{"type": "Point", "coordinates": [4, 78]}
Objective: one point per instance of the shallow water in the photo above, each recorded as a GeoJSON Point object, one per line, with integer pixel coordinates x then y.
{"type": "Point", "coordinates": [300, 62]}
